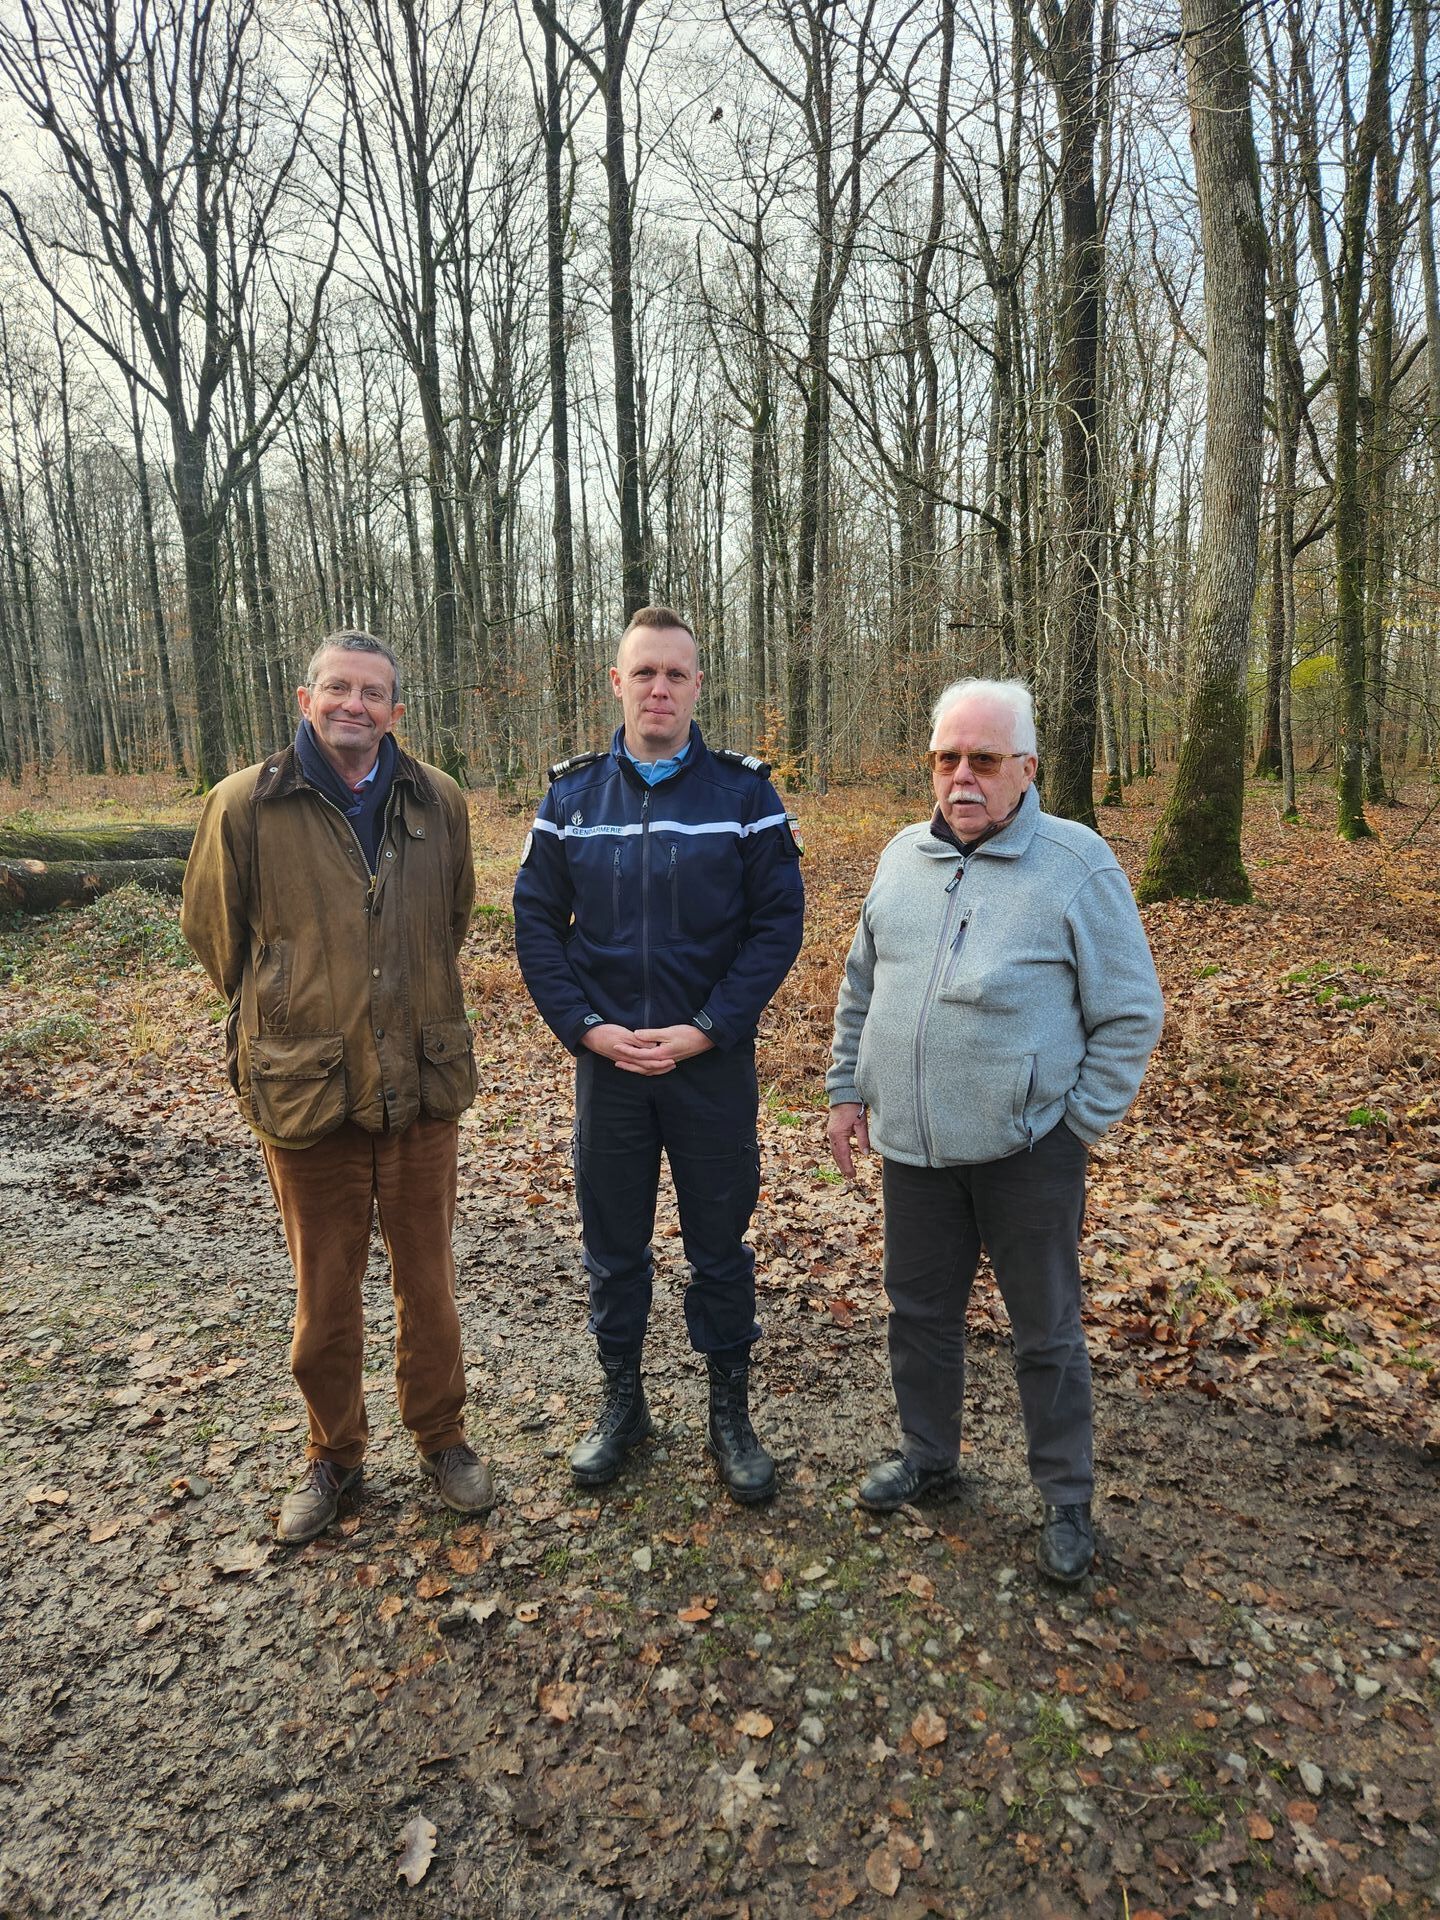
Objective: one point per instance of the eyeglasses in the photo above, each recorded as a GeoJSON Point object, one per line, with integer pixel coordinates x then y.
{"type": "Point", "coordinates": [342, 690]}
{"type": "Point", "coordinates": [942, 760]}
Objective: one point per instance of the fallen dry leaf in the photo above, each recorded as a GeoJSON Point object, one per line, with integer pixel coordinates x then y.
{"type": "Point", "coordinates": [772, 1580]}
{"type": "Point", "coordinates": [929, 1728]}
{"type": "Point", "coordinates": [759, 1726]}
{"type": "Point", "coordinates": [417, 1849]}
{"type": "Point", "coordinates": [47, 1497]}
{"type": "Point", "coordinates": [864, 1649]}
{"type": "Point", "coordinates": [104, 1530]}
{"type": "Point", "coordinates": [740, 1793]}
{"type": "Point", "coordinates": [430, 1586]}
{"type": "Point", "coordinates": [882, 1870]}
{"type": "Point", "coordinates": [560, 1698]}
{"type": "Point", "coordinates": [528, 1612]}
{"type": "Point", "coordinates": [248, 1556]}
{"type": "Point", "coordinates": [151, 1621]}
{"type": "Point", "coordinates": [389, 1607]}
{"type": "Point", "coordinates": [697, 1610]}
{"type": "Point", "coordinates": [921, 1586]}
{"type": "Point", "coordinates": [463, 1560]}
{"type": "Point", "coordinates": [1258, 1827]}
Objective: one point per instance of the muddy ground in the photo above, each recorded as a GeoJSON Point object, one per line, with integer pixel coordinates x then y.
{"type": "Point", "coordinates": [646, 1701]}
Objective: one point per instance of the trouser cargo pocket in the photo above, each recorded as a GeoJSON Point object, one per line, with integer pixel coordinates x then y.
{"type": "Point", "coordinates": [447, 1068]}
{"type": "Point", "coordinates": [297, 1084]}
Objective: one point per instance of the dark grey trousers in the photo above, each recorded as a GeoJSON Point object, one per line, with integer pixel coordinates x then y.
{"type": "Point", "coordinates": [1026, 1212]}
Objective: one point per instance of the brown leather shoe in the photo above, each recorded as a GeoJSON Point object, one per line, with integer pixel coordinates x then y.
{"type": "Point", "coordinates": [307, 1510]}
{"type": "Point", "coordinates": [462, 1480]}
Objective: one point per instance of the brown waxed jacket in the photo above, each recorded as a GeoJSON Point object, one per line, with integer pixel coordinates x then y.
{"type": "Point", "coordinates": [345, 997]}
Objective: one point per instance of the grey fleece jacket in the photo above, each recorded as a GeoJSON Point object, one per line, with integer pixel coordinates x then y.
{"type": "Point", "coordinates": [989, 996]}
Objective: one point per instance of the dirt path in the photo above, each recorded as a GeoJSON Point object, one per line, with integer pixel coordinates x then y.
{"type": "Point", "coordinates": [648, 1702]}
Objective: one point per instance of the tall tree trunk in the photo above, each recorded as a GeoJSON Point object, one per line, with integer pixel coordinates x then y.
{"type": "Point", "coordinates": [200, 540]}
{"type": "Point", "coordinates": [1350, 530]}
{"type": "Point", "coordinates": [1070, 683]}
{"type": "Point", "coordinates": [154, 604]}
{"type": "Point", "coordinates": [564, 674]}
{"type": "Point", "coordinates": [1196, 849]}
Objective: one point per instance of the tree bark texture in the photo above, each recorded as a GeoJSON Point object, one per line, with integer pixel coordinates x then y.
{"type": "Point", "coordinates": [1068, 692]}
{"type": "Point", "coordinates": [35, 886]}
{"type": "Point", "coordinates": [1196, 849]}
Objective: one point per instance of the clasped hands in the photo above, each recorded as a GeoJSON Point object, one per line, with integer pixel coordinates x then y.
{"type": "Point", "coordinates": [649, 1050]}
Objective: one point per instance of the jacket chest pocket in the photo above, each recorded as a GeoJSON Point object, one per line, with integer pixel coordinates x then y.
{"type": "Point", "coordinates": [672, 890]}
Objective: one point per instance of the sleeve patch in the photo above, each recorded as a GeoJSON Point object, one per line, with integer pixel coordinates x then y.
{"type": "Point", "coordinates": [529, 843]}
{"type": "Point", "coordinates": [797, 839]}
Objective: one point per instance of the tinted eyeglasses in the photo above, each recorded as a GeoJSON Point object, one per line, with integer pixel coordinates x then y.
{"type": "Point", "coordinates": [942, 760]}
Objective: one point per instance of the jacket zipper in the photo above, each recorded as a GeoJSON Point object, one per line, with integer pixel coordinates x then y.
{"type": "Point", "coordinates": [673, 877]}
{"type": "Point", "coordinates": [616, 869]}
{"type": "Point", "coordinates": [373, 879]}
{"type": "Point", "coordinates": [942, 947]}
{"type": "Point", "coordinates": [645, 908]}
{"type": "Point", "coordinates": [956, 945]}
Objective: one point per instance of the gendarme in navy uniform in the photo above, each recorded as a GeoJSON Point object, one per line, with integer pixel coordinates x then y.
{"type": "Point", "coordinates": [658, 907]}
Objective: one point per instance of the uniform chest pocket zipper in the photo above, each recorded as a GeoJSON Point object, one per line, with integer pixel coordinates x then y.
{"type": "Point", "coordinates": [615, 867]}
{"type": "Point", "coordinates": [672, 880]}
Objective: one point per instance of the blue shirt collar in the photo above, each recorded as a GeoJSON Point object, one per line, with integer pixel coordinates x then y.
{"type": "Point", "coordinates": [652, 772]}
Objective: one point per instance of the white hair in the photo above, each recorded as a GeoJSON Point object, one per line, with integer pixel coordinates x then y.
{"type": "Point", "coordinates": [1011, 694]}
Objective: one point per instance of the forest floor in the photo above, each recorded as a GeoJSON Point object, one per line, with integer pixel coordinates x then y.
{"type": "Point", "coordinates": [645, 1701]}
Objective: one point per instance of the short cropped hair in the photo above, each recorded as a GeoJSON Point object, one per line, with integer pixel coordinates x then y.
{"type": "Point", "coordinates": [1013, 694]}
{"type": "Point", "coordinates": [352, 640]}
{"type": "Point", "coordinates": [657, 620]}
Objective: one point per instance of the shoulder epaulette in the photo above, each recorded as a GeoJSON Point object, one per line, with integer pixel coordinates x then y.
{"type": "Point", "coordinates": [568, 766]}
{"type": "Point", "coordinates": [750, 761]}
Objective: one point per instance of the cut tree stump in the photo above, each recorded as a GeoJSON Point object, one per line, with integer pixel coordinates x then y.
{"type": "Point", "coordinates": [95, 843]}
{"type": "Point", "coordinates": [39, 886]}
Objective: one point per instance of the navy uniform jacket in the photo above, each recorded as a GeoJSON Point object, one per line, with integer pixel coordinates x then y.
{"type": "Point", "coordinates": [658, 906]}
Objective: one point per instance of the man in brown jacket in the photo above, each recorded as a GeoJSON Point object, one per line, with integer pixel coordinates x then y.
{"type": "Point", "coordinates": [327, 896]}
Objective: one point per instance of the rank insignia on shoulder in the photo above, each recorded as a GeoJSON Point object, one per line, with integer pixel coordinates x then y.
{"type": "Point", "coordinates": [792, 825]}
{"type": "Point", "coordinates": [750, 761]}
{"type": "Point", "coordinates": [568, 766]}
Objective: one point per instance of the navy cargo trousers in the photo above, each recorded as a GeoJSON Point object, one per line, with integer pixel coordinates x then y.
{"type": "Point", "coordinates": [703, 1116]}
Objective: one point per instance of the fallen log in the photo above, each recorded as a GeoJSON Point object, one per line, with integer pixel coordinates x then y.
{"type": "Point", "coordinates": [39, 886]}
{"type": "Point", "coordinates": [143, 842]}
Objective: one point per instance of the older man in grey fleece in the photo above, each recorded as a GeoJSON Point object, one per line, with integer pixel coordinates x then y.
{"type": "Point", "coordinates": [998, 1011]}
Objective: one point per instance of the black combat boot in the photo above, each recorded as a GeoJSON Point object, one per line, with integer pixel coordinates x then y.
{"type": "Point", "coordinates": [1066, 1547]}
{"type": "Point", "coordinates": [745, 1466]}
{"type": "Point", "coordinates": [622, 1423]}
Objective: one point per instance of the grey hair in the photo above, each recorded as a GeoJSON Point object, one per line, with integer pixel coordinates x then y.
{"type": "Point", "coordinates": [352, 640]}
{"type": "Point", "coordinates": [1013, 694]}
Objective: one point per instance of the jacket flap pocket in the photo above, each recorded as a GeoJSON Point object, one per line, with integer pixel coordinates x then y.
{"type": "Point", "coordinates": [445, 1040]}
{"type": "Point", "coordinates": [296, 1056]}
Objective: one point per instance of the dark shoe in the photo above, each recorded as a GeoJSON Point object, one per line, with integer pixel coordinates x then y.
{"type": "Point", "coordinates": [462, 1480]}
{"type": "Point", "coordinates": [896, 1481]}
{"type": "Point", "coordinates": [1067, 1544]}
{"type": "Point", "coordinates": [622, 1423]}
{"type": "Point", "coordinates": [307, 1510]}
{"type": "Point", "coordinates": [745, 1466]}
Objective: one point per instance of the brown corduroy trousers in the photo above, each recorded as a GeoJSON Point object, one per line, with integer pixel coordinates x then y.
{"type": "Point", "coordinates": [327, 1195]}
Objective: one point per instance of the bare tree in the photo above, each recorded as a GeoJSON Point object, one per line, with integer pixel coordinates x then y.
{"type": "Point", "coordinates": [178, 162]}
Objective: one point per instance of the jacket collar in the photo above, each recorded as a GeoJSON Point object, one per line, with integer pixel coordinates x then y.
{"type": "Point", "coordinates": [695, 752]}
{"type": "Point", "coordinates": [282, 775]}
{"type": "Point", "coordinates": [1008, 844]}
